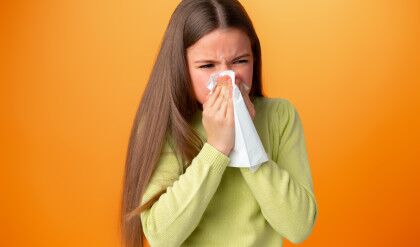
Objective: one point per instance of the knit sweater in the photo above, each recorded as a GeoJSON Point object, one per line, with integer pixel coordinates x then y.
{"type": "Point", "coordinates": [212, 204]}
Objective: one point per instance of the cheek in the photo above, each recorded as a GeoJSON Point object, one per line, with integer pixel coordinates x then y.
{"type": "Point", "coordinates": [245, 74]}
{"type": "Point", "coordinates": [198, 80]}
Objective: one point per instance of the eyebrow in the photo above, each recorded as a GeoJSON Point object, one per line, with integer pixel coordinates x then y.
{"type": "Point", "coordinates": [211, 61]}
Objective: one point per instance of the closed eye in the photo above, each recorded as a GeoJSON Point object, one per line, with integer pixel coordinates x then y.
{"type": "Point", "coordinates": [242, 61]}
{"type": "Point", "coordinates": [205, 66]}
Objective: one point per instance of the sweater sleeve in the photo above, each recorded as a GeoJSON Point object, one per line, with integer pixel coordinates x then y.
{"type": "Point", "coordinates": [283, 185]}
{"type": "Point", "coordinates": [177, 212]}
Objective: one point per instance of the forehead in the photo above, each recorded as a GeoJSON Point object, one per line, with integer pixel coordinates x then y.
{"type": "Point", "coordinates": [221, 43]}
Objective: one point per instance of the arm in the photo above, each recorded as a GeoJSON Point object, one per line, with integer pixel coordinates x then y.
{"type": "Point", "coordinates": [283, 185]}
{"type": "Point", "coordinates": [177, 212]}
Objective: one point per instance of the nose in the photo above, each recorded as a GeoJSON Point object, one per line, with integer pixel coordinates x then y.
{"type": "Point", "coordinates": [225, 66]}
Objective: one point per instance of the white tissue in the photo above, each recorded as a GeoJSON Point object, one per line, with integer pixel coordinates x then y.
{"type": "Point", "coordinates": [248, 151]}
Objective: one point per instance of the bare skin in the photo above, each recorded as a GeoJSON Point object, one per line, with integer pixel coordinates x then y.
{"type": "Point", "coordinates": [218, 118]}
{"type": "Point", "coordinates": [221, 49]}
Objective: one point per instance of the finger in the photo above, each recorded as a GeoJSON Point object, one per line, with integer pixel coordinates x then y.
{"type": "Point", "coordinates": [227, 100]}
{"type": "Point", "coordinates": [246, 88]}
{"type": "Point", "coordinates": [223, 107]}
{"type": "Point", "coordinates": [229, 109]}
{"type": "Point", "coordinates": [230, 90]}
{"type": "Point", "coordinates": [237, 82]}
{"type": "Point", "coordinates": [213, 96]}
{"type": "Point", "coordinates": [243, 87]}
{"type": "Point", "coordinates": [245, 95]}
{"type": "Point", "coordinates": [219, 101]}
{"type": "Point", "coordinates": [249, 105]}
{"type": "Point", "coordinates": [239, 85]}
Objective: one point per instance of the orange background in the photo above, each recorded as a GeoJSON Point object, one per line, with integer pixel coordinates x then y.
{"type": "Point", "coordinates": [72, 74]}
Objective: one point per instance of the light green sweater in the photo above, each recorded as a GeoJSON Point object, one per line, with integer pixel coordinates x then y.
{"type": "Point", "coordinates": [215, 205]}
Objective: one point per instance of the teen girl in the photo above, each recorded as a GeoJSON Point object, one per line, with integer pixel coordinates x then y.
{"type": "Point", "coordinates": [178, 189]}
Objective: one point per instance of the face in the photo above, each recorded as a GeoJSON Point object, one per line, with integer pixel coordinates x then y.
{"type": "Point", "coordinates": [219, 50]}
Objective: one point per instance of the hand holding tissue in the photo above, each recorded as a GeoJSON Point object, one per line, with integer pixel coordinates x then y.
{"type": "Point", "coordinates": [248, 150]}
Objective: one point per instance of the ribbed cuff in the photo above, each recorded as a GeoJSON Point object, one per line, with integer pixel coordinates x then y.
{"type": "Point", "coordinates": [214, 157]}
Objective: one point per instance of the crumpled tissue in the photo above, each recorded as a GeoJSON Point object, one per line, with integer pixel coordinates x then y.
{"type": "Point", "coordinates": [248, 151]}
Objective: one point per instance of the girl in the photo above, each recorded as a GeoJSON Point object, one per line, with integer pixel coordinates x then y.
{"type": "Point", "coordinates": [178, 189]}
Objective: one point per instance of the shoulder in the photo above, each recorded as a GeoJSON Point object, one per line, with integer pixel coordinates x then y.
{"type": "Point", "coordinates": [275, 107]}
{"type": "Point", "coordinates": [169, 158]}
{"type": "Point", "coordinates": [276, 114]}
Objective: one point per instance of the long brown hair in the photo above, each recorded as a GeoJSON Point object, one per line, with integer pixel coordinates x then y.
{"type": "Point", "coordinates": [168, 102]}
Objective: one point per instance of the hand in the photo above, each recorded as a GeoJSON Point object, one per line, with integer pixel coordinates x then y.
{"type": "Point", "coordinates": [218, 118]}
{"type": "Point", "coordinates": [245, 89]}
